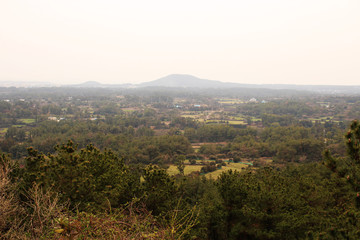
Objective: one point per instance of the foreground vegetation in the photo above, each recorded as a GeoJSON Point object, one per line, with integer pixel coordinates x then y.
{"type": "Point", "coordinates": [88, 193]}
{"type": "Point", "coordinates": [177, 166]}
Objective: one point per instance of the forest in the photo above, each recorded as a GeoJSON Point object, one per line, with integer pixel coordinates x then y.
{"type": "Point", "coordinates": [169, 163]}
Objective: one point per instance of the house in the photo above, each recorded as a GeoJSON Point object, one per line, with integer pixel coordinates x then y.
{"type": "Point", "coordinates": [52, 118]}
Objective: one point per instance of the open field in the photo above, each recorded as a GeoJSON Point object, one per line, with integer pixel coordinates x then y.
{"type": "Point", "coordinates": [238, 118]}
{"type": "Point", "coordinates": [230, 101]}
{"type": "Point", "coordinates": [231, 122]}
{"type": "Point", "coordinates": [128, 109]}
{"type": "Point", "coordinates": [253, 119]}
{"type": "Point", "coordinates": [232, 166]}
{"type": "Point", "coordinates": [3, 131]}
{"type": "Point", "coordinates": [191, 116]}
{"type": "Point", "coordinates": [237, 122]}
{"type": "Point", "coordinates": [27, 120]}
{"type": "Point", "coordinates": [323, 119]}
{"type": "Point", "coordinates": [172, 170]}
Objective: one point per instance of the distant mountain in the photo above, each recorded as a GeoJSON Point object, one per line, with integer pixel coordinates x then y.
{"type": "Point", "coordinates": [187, 81]}
{"type": "Point", "coordinates": [89, 84]}
{"type": "Point", "coordinates": [184, 81]}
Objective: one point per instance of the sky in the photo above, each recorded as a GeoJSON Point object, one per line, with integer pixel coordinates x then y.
{"type": "Point", "coordinates": [243, 41]}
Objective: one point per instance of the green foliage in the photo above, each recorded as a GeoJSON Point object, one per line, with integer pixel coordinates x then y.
{"type": "Point", "coordinates": [299, 200]}
{"type": "Point", "coordinates": [216, 133]}
{"type": "Point", "coordinates": [192, 161]}
{"type": "Point", "coordinates": [180, 160]}
{"type": "Point", "coordinates": [353, 142]}
{"type": "Point", "coordinates": [16, 133]}
{"type": "Point", "coordinates": [273, 120]}
{"type": "Point", "coordinates": [159, 189]}
{"type": "Point", "coordinates": [289, 204]}
{"type": "Point", "coordinates": [86, 178]}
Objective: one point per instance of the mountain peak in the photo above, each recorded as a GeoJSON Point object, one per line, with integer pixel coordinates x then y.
{"type": "Point", "coordinates": [180, 76]}
{"type": "Point", "coordinates": [89, 84]}
{"type": "Point", "coordinates": [184, 81]}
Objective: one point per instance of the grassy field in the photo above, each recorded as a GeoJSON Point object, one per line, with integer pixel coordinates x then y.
{"type": "Point", "coordinates": [232, 166]}
{"type": "Point", "coordinates": [128, 109]}
{"type": "Point", "coordinates": [172, 170]}
{"type": "Point", "coordinates": [27, 120]}
{"type": "Point", "coordinates": [323, 119]}
{"type": "Point", "coordinates": [196, 148]}
{"type": "Point", "coordinates": [230, 101]}
{"type": "Point", "coordinates": [190, 116]}
{"type": "Point", "coordinates": [239, 118]}
{"type": "Point", "coordinates": [237, 122]}
{"type": "Point", "coordinates": [3, 131]}
{"type": "Point", "coordinates": [253, 119]}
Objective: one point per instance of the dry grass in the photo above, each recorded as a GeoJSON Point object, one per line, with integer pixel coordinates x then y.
{"type": "Point", "coordinates": [29, 219]}
{"type": "Point", "coordinates": [130, 223]}
{"type": "Point", "coordinates": [43, 209]}
{"type": "Point", "coordinates": [27, 120]}
{"type": "Point", "coordinates": [8, 206]}
{"type": "Point", "coordinates": [172, 170]}
{"type": "Point", "coordinates": [11, 211]}
{"type": "Point", "coordinates": [232, 166]}
{"type": "Point", "coordinates": [41, 216]}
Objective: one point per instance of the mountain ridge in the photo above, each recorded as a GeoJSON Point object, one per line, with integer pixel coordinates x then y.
{"type": "Point", "coordinates": [186, 81]}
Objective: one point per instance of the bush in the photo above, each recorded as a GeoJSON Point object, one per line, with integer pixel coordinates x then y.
{"type": "Point", "coordinates": [218, 161]}
{"type": "Point", "coordinates": [89, 178]}
{"type": "Point", "coordinates": [236, 159]}
{"type": "Point", "coordinates": [212, 157]}
{"type": "Point", "coordinates": [208, 168]}
{"type": "Point", "coordinates": [10, 209]}
{"type": "Point", "coordinates": [192, 161]}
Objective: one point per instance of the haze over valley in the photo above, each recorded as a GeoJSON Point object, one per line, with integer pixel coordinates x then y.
{"type": "Point", "coordinates": [177, 120]}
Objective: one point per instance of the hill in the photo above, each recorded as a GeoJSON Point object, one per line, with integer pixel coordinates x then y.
{"type": "Point", "coordinates": [187, 81]}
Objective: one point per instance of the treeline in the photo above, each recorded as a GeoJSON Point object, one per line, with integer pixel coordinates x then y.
{"type": "Point", "coordinates": [293, 143]}
{"type": "Point", "coordinates": [134, 137]}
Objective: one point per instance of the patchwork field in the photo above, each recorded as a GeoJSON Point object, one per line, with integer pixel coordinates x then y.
{"type": "Point", "coordinates": [172, 170]}
{"type": "Point", "coordinates": [230, 101]}
{"type": "Point", "coordinates": [237, 122]}
{"type": "Point", "coordinates": [323, 119]}
{"type": "Point", "coordinates": [27, 120]}
{"type": "Point", "coordinates": [3, 131]}
{"type": "Point", "coordinates": [232, 166]}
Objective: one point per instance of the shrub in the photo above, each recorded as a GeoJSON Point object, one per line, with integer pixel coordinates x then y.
{"type": "Point", "coordinates": [192, 161]}
{"type": "Point", "coordinates": [10, 209]}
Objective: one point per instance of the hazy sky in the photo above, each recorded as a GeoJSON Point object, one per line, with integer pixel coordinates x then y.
{"type": "Point", "coordinates": [115, 41]}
